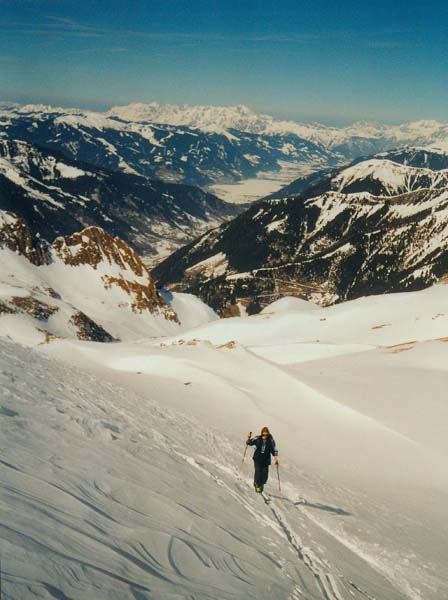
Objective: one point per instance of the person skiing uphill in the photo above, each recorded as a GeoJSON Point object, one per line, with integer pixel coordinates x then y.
{"type": "Point", "coordinates": [264, 447]}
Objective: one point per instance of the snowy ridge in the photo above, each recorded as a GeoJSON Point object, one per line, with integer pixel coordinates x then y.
{"type": "Point", "coordinates": [244, 119]}
{"type": "Point", "coordinates": [387, 173]}
{"type": "Point", "coordinates": [394, 178]}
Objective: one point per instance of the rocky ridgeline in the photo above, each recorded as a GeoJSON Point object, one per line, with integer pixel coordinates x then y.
{"type": "Point", "coordinates": [112, 262]}
{"type": "Point", "coordinates": [17, 236]}
{"type": "Point", "coordinates": [95, 247]}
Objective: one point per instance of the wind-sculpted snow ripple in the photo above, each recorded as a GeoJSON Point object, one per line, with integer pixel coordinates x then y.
{"type": "Point", "coordinates": [93, 516]}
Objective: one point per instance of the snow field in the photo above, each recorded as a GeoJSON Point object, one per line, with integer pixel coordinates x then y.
{"type": "Point", "coordinates": [121, 462]}
{"type": "Point", "coordinates": [106, 494]}
{"type": "Point", "coordinates": [373, 321]}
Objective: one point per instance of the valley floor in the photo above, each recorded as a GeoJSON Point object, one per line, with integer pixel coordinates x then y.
{"type": "Point", "coordinates": [252, 189]}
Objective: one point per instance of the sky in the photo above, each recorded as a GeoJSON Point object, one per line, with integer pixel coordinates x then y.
{"type": "Point", "coordinates": [310, 60]}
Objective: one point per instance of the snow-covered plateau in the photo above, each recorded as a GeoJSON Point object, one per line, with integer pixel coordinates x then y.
{"type": "Point", "coordinates": [121, 464]}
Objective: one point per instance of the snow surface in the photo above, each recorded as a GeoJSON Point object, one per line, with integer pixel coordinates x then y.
{"type": "Point", "coordinates": [289, 304]}
{"type": "Point", "coordinates": [121, 463]}
{"type": "Point", "coordinates": [69, 172]}
{"type": "Point", "coordinates": [266, 183]}
{"type": "Point", "coordinates": [190, 310]}
{"type": "Point", "coordinates": [214, 266]}
{"type": "Point", "coordinates": [246, 190]}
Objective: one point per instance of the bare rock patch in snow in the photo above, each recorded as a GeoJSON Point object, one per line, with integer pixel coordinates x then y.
{"type": "Point", "coordinates": [88, 330]}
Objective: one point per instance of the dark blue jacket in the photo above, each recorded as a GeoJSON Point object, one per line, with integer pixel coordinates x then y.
{"type": "Point", "coordinates": [262, 456]}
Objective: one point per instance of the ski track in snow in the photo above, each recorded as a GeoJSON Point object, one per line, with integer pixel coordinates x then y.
{"type": "Point", "coordinates": [326, 581]}
{"type": "Point", "coordinates": [324, 574]}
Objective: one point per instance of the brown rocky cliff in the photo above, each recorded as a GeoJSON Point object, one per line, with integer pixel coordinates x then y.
{"type": "Point", "coordinates": [16, 235]}
{"type": "Point", "coordinates": [94, 246]}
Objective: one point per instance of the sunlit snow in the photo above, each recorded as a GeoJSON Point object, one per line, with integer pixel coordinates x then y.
{"type": "Point", "coordinates": [121, 463]}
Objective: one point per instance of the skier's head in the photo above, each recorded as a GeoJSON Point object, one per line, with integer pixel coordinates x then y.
{"type": "Point", "coordinates": [265, 433]}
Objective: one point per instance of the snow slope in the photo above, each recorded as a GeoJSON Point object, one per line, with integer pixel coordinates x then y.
{"type": "Point", "coordinates": [158, 513]}
{"type": "Point", "coordinates": [372, 320]}
{"type": "Point", "coordinates": [123, 480]}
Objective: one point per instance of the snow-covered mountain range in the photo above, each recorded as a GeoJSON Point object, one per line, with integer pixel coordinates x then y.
{"type": "Point", "coordinates": [351, 141]}
{"type": "Point", "coordinates": [57, 195]}
{"type": "Point", "coordinates": [204, 145]}
{"type": "Point", "coordinates": [377, 226]}
{"type": "Point", "coordinates": [169, 152]}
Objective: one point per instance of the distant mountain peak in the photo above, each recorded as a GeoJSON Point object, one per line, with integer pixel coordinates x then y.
{"type": "Point", "coordinates": [202, 117]}
{"type": "Point", "coordinates": [243, 118]}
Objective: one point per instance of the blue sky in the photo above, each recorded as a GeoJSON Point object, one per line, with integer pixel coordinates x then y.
{"type": "Point", "coordinates": [304, 59]}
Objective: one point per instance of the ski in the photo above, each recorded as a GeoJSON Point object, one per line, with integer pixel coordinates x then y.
{"type": "Point", "coordinates": [266, 498]}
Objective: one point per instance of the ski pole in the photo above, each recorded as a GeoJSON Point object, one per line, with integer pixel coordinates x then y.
{"type": "Point", "coordinates": [245, 450]}
{"type": "Point", "coordinates": [278, 477]}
